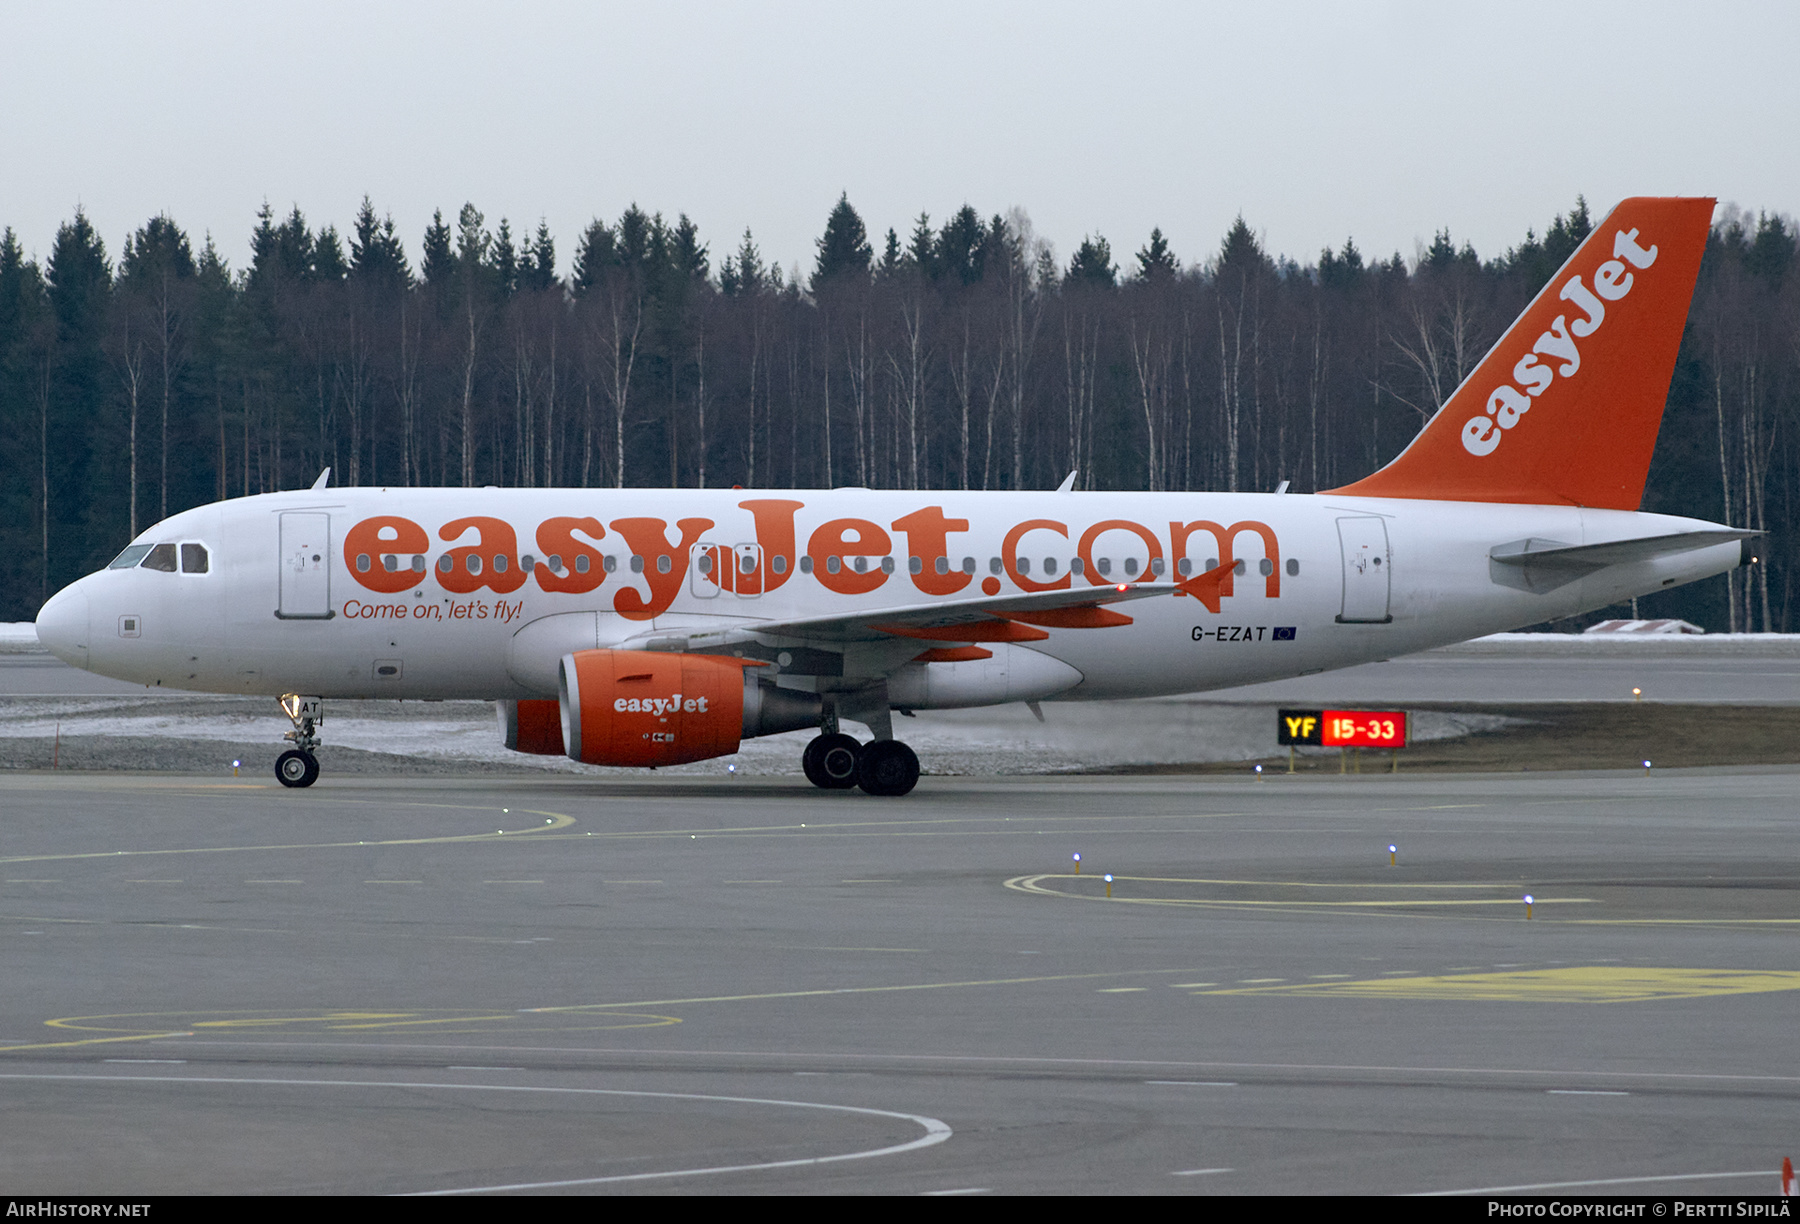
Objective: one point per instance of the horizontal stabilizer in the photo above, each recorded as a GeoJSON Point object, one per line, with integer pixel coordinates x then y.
{"type": "Point", "coordinates": [1538, 565]}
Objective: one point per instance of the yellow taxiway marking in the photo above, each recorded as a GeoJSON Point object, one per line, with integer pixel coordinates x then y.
{"type": "Point", "coordinates": [552, 822]}
{"type": "Point", "coordinates": [1578, 984]}
{"type": "Point", "coordinates": [854, 990]}
{"type": "Point", "coordinates": [147, 1026]}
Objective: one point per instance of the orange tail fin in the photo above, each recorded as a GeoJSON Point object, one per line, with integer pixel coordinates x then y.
{"type": "Point", "coordinates": [1565, 407]}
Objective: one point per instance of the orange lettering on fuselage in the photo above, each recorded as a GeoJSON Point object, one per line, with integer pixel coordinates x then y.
{"type": "Point", "coordinates": [1009, 555]}
{"type": "Point", "coordinates": [774, 517]}
{"type": "Point", "coordinates": [927, 538]}
{"type": "Point", "coordinates": [493, 560]}
{"type": "Point", "coordinates": [1216, 583]}
{"type": "Point", "coordinates": [665, 565]}
{"type": "Point", "coordinates": [387, 535]}
{"type": "Point", "coordinates": [583, 569]}
{"type": "Point", "coordinates": [495, 557]}
{"type": "Point", "coordinates": [842, 541]}
{"type": "Point", "coordinates": [1086, 548]}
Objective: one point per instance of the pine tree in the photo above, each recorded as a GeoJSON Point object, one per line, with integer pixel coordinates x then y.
{"type": "Point", "coordinates": [1155, 260]}
{"type": "Point", "coordinates": [595, 255]}
{"type": "Point", "coordinates": [1092, 264]}
{"type": "Point", "coordinates": [81, 518]}
{"type": "Point", "coordinates": [844, 251]}
{"type": "Point", "coordinates": [437, 261]}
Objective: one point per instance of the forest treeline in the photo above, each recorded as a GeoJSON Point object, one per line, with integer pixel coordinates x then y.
{"type": "Point", "coordinates": [960, 355]}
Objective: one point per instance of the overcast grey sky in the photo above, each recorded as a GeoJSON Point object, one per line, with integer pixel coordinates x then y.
{"type": "Point", "coordinates": [1383, 121]}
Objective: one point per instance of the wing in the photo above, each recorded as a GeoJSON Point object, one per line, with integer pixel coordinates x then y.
{"type": "Point", "coordinates": [999, 618]}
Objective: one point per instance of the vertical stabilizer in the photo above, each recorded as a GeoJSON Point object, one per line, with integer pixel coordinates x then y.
{"type": "Point", "coordinates": [1565, 408]}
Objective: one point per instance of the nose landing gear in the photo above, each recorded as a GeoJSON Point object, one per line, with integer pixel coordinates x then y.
{"type": "Point", "coordinates": [298, 766]}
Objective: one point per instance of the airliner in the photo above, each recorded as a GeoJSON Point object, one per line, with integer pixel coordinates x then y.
{"type": "Point", "coordinates": [652, 627]}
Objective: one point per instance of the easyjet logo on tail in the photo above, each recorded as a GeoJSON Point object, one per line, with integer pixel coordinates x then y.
{"type": "Point", "coordinates": [1564, 408]}
{"type": "Point", "coordinates": [1556, 353]}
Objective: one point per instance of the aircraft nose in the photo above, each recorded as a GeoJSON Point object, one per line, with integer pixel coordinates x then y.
{"type": "Point", "coordinates": [62, 626]}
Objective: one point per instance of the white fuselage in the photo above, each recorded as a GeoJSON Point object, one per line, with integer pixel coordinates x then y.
{"type": "Point", "coordinates": [283, 607]}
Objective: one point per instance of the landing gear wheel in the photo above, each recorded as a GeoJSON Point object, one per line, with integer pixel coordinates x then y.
{"type": "Point", "coordinates": [296, 768]}
{"type": "Point", "coordinates": [830, 762]}
{"type": "Point", "coordinates": [887, 767]}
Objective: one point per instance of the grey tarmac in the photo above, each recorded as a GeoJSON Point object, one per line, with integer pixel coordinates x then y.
{"type": "Point", "coordinates": [696, 985]}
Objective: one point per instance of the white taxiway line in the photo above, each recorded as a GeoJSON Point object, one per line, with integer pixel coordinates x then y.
{"type": "Point", "coordinates": [935, 1131]}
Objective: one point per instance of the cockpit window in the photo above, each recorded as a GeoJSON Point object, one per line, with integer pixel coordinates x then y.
{"type": "Point", "coordinates": [130, 557]}
{"type": "Point", "coordinates": [162, 557]}
{"type": "Point", "coordinates": [193, 558]}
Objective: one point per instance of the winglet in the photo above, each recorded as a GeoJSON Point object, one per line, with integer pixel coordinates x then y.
{"type": "Point", "coordinates": [1565, 408]}
{"type": "Point", "coordinates": [1206, 587]}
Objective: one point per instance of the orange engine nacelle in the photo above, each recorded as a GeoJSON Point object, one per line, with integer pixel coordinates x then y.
{"type": "Point", "coordinates": [531, 726]}
{"type": "Point", "coordinates": [633, 707]}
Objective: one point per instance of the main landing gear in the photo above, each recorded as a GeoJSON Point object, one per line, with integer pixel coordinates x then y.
{"type": "Point", "coordinates": [298, 766]}
{"type": "Point", "coordinates": [834, 761]}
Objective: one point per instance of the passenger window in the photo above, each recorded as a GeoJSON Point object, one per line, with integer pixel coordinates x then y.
{"type": "Point", "coordinates": [445, 564]}
{"type": "Point", "coordinates": [1156, 566]}
{"type": "Point", "coordinates": [1049, 565]}
{"type": "Point", "coordinates": [805, 564]}
{"type": "Point", "coordinates": [1130, 567]}
{"type": "Point", "coordinates": [663, 563]}
{"type": "Point", "coordinates": [968, 565]}
{"type": "Point", "coordinates": [1104, 564]}
{"type": "Point", "coordinates": [130, 557]}
{"type": "Point", "coordinates": [942, 565]}
{"type": "Point", "coordinates": [581, 564]}
{"type": "Point", "coordinates": [193, 558]}
{"type": "Point", "coordinates": [1076, 566]}
{"type": "Point", "coordinates": [637, 564]}
{"type": "Point", "coordinates": [994, 566]}
{"type": "Point", "coordinates": [162, 557]}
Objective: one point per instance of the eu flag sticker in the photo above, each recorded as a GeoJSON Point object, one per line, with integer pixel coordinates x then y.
{"type": "Point", "coordinates": [1284, 633]}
